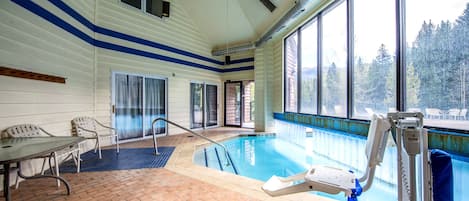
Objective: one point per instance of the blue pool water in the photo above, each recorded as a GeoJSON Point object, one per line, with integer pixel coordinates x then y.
{"type": "Point", "coordinates": [290, 151]}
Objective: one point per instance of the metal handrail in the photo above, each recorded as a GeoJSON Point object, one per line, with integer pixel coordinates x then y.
{"type": "Point", "coordinates": [192, 132]}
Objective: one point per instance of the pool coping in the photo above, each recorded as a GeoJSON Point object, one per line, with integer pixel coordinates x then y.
{"type": "Point", "coordinates": [181, 162]}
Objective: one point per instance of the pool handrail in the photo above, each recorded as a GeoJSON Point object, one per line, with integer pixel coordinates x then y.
{"type": "Point", "coordinates": [155, 145]}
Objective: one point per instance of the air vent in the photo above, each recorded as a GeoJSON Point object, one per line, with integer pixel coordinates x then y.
{"type": "Point", "coordinates": [269, 5]}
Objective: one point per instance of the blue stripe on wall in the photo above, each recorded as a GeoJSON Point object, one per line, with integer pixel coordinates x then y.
{"type": "Point", "coordinates": [45, 14]}
{"type": "Point", "coordinates": [74, 14]}
{"type": "Point", "coordinates": [251, 59]}
{"type": "Point", "coordinates": [33, 7]}
{"type": "Point", "coordinates": [238, 69]}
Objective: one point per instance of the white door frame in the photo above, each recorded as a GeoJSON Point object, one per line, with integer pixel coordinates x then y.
{"type": "Point", "coordinates": [205, 83]}
{"type": "Point", "coordinates": [113, 101]}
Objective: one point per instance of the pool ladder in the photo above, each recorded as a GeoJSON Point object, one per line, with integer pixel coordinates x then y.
{"type": "Point", "coordinates": [219, 161]}
{"type": "Point", "coordinates": [227, 154]}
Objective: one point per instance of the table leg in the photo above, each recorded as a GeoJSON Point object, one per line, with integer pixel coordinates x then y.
{"type": "Point", "coordinates": [6, 181]}
{"type": "Point", "coordinates": [20, 174]}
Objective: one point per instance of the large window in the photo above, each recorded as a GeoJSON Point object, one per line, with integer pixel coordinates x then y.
{"type": "Point", "coordinates": [291, 73]}
{"type": "Point", "coordinates": [437, 61]}
{"type": "Point", "coordinates": [334, 62]}
{"type": "Point", "coordinates": [433, 61]}
{"type": "Point", "coordinates": [309, 68]}
{"type": "Point", "coordinates": [374, 70]}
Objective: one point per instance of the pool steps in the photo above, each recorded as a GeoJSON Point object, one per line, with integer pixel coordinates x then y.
{"type": "Point", "coordinates": [208, 154]}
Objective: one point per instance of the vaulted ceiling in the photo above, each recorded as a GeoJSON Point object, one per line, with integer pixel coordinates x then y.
{"type": "Point", "coordinates": [234, 22]}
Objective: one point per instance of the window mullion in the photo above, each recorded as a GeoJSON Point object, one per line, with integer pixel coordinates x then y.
{"type": "Point", "coordinates": [350, 60]}
{"type": "Point", "coordinates": [319, 68]}
{"type": "Point", "coordinates": [400, 56]}
{"type": "Point", "coordinates": [298, 67]}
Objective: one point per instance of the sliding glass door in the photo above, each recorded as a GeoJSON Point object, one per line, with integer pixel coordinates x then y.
{"type": "Point", "coordinates": [239, 103]}
{"type": "Point", "coordinates": [128, 106]}
{"type": "Point", "coordinates": [137, 100]}
{"type": "Point", "coordinates": [212, 105]}
{"type": "Point", "coordinates": [204, 105]}
{"type": "Point", "coordinates": [197, 105]}
{"type": "Point", "coordinates": [233, 103]}
{"type": "Point", "coordinates": [155, 104]}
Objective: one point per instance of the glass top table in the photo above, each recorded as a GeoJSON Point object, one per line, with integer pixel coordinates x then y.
{"type": "Point", "coordinates": [15, 150]}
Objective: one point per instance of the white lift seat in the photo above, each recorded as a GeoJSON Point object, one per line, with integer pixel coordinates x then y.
{"type": "Point", "coordinates": [333, 180]}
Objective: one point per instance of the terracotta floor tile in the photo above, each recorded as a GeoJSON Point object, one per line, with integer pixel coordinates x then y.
{"type": "Point", "coordinates": [131, 185]}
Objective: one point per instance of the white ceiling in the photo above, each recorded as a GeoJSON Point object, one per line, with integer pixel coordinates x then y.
{"type": "Point", "coordinates": [245, 21]}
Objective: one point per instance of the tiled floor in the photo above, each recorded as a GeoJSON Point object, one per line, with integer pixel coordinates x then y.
{"type": "Point", "coordinates": [179, 180]}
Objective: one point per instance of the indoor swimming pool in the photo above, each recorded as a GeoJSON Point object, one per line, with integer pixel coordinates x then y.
{"type": "Point", "coordinates": [291, 151]}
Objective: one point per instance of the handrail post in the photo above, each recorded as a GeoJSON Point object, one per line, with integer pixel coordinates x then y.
{"type": "Point", "coordinates": [155, 145]}
{"type": "Point", "coordinates": [192, 132]}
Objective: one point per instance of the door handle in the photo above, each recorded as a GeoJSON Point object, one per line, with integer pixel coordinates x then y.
{"type": "Point", "coordinates": [113, 109]}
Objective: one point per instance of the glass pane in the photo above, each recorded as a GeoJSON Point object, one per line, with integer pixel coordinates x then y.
{"type": "Point", "coordinates": [233, 104]}
{"type": "Point", "coordinates": [155, 106]}
{"type": "Point", "coordinates": [248, 104]}
{"type": "Point", "coordinates": [437, 61]}
{"type": "Point", "coordinates": [197, 107]}
{"type": "Point", "coordinates": [155, 7]}
{"type": "Point", "coordinates": [212, 105]}
{"type": "Point", "coordinates": [129, 106]}
{"type": "Point", "coordinates": [334, 62]}
{"type": "Point", "coordinates": [291, 73]}
{"type": "Point", "coordinates": [309, 66]}
{"type": "Point", "coordinates": [133, 3]}
{"type": "Point", "coordinates": [374, 75]}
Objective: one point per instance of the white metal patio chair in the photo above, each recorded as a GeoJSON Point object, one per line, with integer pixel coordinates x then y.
{"type": "Point", "coordinates": [453, 113]}
{"type": "Point", "coordinates": [433, 113]}
{"type": "Point", "coordinates": [87, 127]}
{"type": "Point", "coordinates": [31, 130]}
{"type": "Point", "coordinates": [462, 114]}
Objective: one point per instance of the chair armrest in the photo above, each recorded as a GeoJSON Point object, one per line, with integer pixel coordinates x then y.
{"type": "Point", "coordinates": [104, 126]}
{"type": "Point", "coordinates": [47, 133]}
{"type": "Point", "coordinates": [87, 130]}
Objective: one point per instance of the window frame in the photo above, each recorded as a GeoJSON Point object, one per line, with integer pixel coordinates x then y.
{"type": "Point", "coordinates": [285, 73]}
{"type": "Point", "coordinates": [143, 8]}
{"type": "Point", "coordinates": [400, 60]}
{"type": "Point", "coordinates": [320, 64]}
{"type": "Point", "coordinates": [309, 22]}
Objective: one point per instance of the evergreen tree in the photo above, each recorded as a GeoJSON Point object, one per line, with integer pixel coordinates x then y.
{"type": "Point", "coordinates": [390, 96]}
{"type": "Point", "coordinates": [446, 79]}
{"type": "Point", "coordinates": [377, 73]}
{"type": "Point", "coordinates": [461, 51]}
{"type": "Point", "coordinates": [413, 87]}
{"type": "Point", "coordinates": [359, 84]}
{"type": "Point", "coordinates": [308, 93]}
{"type": "Point", "coordinates": [424, 60]}
{"type": "Point", "coordinates": [332, 82]}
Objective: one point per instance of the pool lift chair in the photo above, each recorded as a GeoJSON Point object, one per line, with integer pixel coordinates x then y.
{"type": "Point", "coordinates": [423, 175]}
{"type": "Point", "coordinates": [333, 180]}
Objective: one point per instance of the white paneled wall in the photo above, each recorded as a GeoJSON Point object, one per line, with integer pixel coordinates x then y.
{"type": "Point", "coordinates": [178, 31]}
{"type": "Point", "coordinates": [30, 42]}
{"type": "Point", "coordinates": [277, 94]}
{"type": "Point", "coordinates": [264, 76]}
{"type": "Point", "coordinates": [33, 44]}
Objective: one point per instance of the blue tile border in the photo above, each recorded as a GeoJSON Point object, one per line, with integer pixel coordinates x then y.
{"type": "Point", "coordinates": [452, 142]}
{"type": "Point", "coordinates": [45, 14]}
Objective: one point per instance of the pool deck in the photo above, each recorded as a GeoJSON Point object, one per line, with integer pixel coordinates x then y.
{"type": "Point", "coordinates": [180, 179]}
